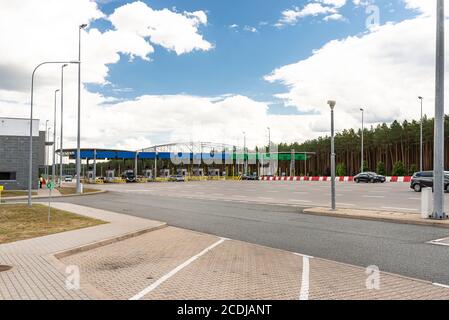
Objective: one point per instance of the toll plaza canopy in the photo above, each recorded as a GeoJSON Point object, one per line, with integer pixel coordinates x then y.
{"type": "Point", "coordinates": [103, 154]}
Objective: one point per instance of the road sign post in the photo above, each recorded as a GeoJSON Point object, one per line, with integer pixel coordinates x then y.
{"type": "Point", "coordinates": [50, 186]}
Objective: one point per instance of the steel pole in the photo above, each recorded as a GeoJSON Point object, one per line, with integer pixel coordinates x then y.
{"type": "Point", "coordinates": [45, 149]}
{"type": "Point", "coordinates": [332, 161]}
{"type": "Point", "coordinates": [53, 169]}
{"type": "Point", "coordinates": [421, 140]}
{"type": "Point", "coordinates": [78, 137]}
{"type": "Point", "coordinates": [438, 210]}
{"type": "Point", "coordinates": [62, 125]}
{"type": "Point", "coordinates": [362, 155]}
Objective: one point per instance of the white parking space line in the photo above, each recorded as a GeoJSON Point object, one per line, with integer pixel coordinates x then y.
{"type": "Point", "coordinates": [374, 197]}
{"type": "Point", "coordinates": [167, 276]}
{"type": "Point", "coordinates": [295, 200]}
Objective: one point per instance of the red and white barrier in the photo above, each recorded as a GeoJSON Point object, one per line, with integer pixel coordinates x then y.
{"type": "Point", "coordinates": [338, 179]}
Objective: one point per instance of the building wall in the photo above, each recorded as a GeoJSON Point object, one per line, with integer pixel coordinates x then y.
{"type": "Point", "coordinates": [14, 153]}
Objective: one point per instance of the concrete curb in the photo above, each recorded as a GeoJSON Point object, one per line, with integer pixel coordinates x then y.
{"type": "Point", "coordinates": [372, 216]}
{"type": "Point", "coordinates": [55, 197]}
{"type": "Point", "coordinates": [101, 243]}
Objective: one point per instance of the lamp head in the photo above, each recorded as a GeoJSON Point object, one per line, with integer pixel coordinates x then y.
{"type": "Point", "coordinates": [361, 109]}
{"type": "Point", "coordinates": [64, 65]}
{"type": "Point", "coordinates": [83, 26]}
{"type": "Point", "coordinates": [420, 98]}
{"type": "Point", "coordinates": [332, 104]}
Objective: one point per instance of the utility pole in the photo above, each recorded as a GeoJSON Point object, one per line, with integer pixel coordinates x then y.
{"type": "Point", "coordinates": [438, 165]}
{"type": "Point", "coordinates": [78, 138]}
{"type": "Point", "coordinates": [333, 202]}
{"type": "Point", "coordinates": [421, 140]}
{"type": "Point", "coordinates": [362, 166]}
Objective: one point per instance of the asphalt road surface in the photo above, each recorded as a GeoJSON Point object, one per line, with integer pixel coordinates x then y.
{"type": "Point", "coordinates": [388, 196]}
{"type": "Point", "coordinates": [396, 248]}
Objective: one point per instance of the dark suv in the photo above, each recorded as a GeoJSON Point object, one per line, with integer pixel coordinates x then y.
{"type": "Point", "coordinates": [369, 177]}
{"type": "Point", "coordinates": [129, 177]}
{"type": "Point", "coordinates": [424, 179]}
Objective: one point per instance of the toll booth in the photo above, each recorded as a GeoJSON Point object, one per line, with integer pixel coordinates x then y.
{"type": "Point", "coordinates": [165, 173]}
{"type": "Point", "coordinates": [214, 172]}
{"type": "Point", "coordinates": [91, 177]}
{"type": "Point", "coordinates": [182, 172]}
{"type": "Point", "coordinates": [148, 173]}
{"type": "Point", "coordinates": [198, 172]}
{"type": "Point", "coordinates": [110, 176]}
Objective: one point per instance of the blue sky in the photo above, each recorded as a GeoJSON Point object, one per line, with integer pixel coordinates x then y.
{"type": "Point", "coordinates": [240, 58]}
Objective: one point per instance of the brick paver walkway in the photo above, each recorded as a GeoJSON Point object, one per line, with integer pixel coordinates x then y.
{"type": "Point", "coordinates": [36, 274]}
{"type": "Point", "coordinates": [232, 270]}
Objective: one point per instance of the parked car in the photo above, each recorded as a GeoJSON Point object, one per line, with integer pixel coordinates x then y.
{"type": "Point", "coordinates": [177, 178]}
{"type": "Point", "coordinates": [129, 177]}
{"type": "Point", "coordinates": [369, 177]}
{"type": "Point", "coordinates": [68, 179]}
{"type": "Point", "coordinates": [424, 179]}
{"type": "Point", "coordinates": [250, 177]}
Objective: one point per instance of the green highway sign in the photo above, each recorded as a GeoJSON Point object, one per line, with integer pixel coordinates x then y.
{"type": "Point", "coordinates": [50, 185]}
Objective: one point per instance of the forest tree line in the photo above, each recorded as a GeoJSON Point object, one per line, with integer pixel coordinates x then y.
{"type": "Point", "coordinates": [388, 149]}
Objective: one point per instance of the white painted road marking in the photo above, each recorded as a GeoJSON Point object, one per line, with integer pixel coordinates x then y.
{"type": "Point", "coordinates": [167, 276]}
{"type": "Point", "coordinates": [305, 286]}
{"type": "Point", "coordinates": [373, 196]}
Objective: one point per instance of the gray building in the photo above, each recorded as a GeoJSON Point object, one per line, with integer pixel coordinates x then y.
{"type": "Point", "coordinates": [14, 153]}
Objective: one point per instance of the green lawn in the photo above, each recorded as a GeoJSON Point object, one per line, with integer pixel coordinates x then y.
{"type": "Point", "coordinates": [20, 222]}
{"type": "Point", "coordinates": [13, 193]}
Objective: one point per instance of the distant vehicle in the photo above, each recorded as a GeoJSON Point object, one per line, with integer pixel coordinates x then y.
{"type": "Point", "coordinates": [369, 177]}
{"type": "Point", "coordinates": [177, 178]}
{"type": "Point", "coordinates": [68, 179]}
{"type": "Point", "coordinates": [424, 179]}
{"type": "Point", "coordinates": [251, 177]}
{"type": "Point", "coordinates": [129, 177]}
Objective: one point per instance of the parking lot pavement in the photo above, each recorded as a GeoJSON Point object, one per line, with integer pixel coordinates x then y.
{"type": "Point", "coordinates": [387, 197]}
{"type": "Point", "coordinates": [174, 263]}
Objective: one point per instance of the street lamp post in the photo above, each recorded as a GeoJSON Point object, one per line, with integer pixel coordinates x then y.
{"type": "Point", "coordinates": [30, 159]}
{"type": "Point", "coordinates": [53, 169]}
{"type": "Point", "coordinates": [46, 153]}
{"type": "Point", "coordinates": [421, 139]}
{"type": "Point", "coordinates": [332, 106]}
{"type": "Point", "coordinates": [362, 166]}
{"type": "Point", "coordinates": [62, 123]}
{"type": "Point", "coordinates": [78, 138]}
{"type": "Point", "coordinates": [245, 163]}
{"type": "Point", "coordinates": [438, 209]}
{"type": "Point", "coordinates": [269, 149]}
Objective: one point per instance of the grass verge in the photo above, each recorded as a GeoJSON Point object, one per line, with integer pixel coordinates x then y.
{"type": "Point", "coordinates": [20, 222]}
{"type": "Point", "coordinates": [72, 190]}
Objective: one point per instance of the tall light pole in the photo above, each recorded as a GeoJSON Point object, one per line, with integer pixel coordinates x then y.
{"type": "Point", "coordinates": [438, 164]}
{"type": "Point", "coordinates": [30, 165]}
{"type": "Point", "coordinates": [78, 138]}
{"type": "Point", "coordinates": [62, 124]}
{"type": "Point", "coordinates": [245, 163]}
{"type": "Point", "coordinates": [269, 149]}
{"type": "Point", "coordinates": [53, 169]}
{"type": "Point", "coordinates": [46, 154]}
{"type": "Point", "coordinates": [421, 140]}
{"type": "Point", "coordinates": [332, 104]}
{"type": "Point", "coordinates": [362, 166]}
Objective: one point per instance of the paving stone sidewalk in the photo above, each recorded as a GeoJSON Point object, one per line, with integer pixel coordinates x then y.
{"type": "Point", "coordinates": [37, 274]}
{"type": "Point", "coordinates": [233, 270]}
